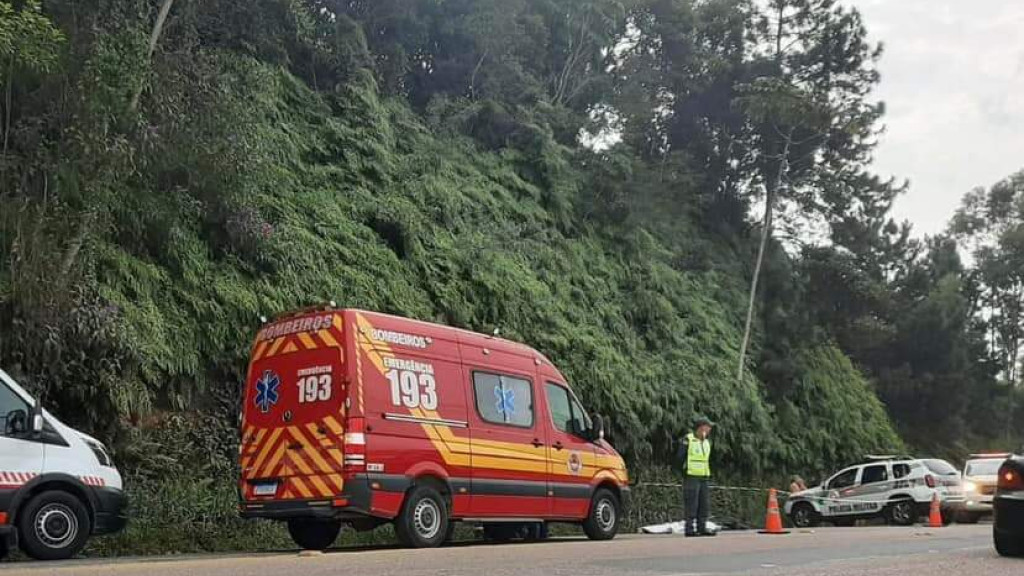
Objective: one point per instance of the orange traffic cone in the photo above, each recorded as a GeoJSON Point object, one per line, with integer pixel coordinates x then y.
{"type": "Point", "coordinates": [935, 513]}
{"type": "Point", "coordinates": [773, 521]}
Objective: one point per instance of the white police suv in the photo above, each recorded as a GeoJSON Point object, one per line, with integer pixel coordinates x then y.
{"type": "Point", "coordinates": [900, 489]}
{"type": "Point", "coordinates": [58, 486]}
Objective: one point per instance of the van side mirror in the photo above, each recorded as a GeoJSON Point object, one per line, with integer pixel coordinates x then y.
{"type": "Point", "coordinates": [597, 432]}
{"type": "Point", "coordinates": [37, 418]}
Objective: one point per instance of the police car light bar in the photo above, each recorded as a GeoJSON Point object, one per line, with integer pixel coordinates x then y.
{"type": "Point", "coordinates": [885, 457]}
{"type": "Point", "coordinates": [992, 455]}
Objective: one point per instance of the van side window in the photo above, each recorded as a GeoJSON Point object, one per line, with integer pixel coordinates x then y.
{"type": "Point", "coordinates": [503, 399]}
{"type": "Point", "coordinates": [900, 470]}
{"type": "Point", "coordinates": [561, 412]}
{"type": "Point", "coordinates": [566, 412]}
{"type": "Point", "coordinates": [14, 413]}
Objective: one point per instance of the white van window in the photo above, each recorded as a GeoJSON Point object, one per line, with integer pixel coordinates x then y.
{"type": "Point", "coordinates": [13, 412]}
{"type": "Point", "coordinates": [503, 399]}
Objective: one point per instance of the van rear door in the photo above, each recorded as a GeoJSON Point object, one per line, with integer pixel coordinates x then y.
{"type": "Point", "coordinates": [294, 410]}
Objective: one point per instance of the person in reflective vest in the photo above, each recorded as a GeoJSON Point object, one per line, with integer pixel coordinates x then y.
{"type": "Point", "coordinates": [696, 454]}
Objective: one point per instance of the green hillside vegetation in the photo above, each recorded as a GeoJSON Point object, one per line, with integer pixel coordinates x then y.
{"type": "Point", "coordinates": [285, 153]}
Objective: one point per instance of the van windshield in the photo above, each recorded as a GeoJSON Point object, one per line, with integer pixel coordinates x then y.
{"type": "Point", "coordinates": [983, 467]}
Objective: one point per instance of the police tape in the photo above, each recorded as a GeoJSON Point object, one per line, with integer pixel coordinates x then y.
{"type": "Point", "coordinates": [815, 499]}
{"type": "Point", "coordinates": [713, 487]}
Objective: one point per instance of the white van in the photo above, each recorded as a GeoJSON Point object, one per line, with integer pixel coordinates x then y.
{"type": "Point", "coordinates": [58, 486]}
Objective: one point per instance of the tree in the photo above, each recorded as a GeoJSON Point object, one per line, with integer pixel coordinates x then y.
{"type": "Point", "coordinates": [809, 115]}
{"type": "Point", "coordinates": [991, 225]}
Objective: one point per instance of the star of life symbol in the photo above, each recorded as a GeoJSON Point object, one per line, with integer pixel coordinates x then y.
{"type": "Point", "coordinates": [267, 391]}
{"type": "Point", "coordinates": [506, 404]}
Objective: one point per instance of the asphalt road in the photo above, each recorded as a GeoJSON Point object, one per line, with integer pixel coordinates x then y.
{"type": "Point", "coordinates": [956, 550]}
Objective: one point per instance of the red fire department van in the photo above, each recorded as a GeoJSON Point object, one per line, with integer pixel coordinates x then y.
{"type": "Point", "coordinates": [363, 418]}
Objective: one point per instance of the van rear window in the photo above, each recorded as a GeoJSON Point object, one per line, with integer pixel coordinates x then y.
{"type": "Point", "coordinates": [503, 399]}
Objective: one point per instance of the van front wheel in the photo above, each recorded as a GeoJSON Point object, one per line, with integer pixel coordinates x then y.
{"type": "Point", "coordinates": [603, 521]}
{"type": "Point", "coordinates": [423, 522]}
{"type": "Point", "coordinates": [54, 525]}
{"type": "Point", "coordinates": [313, 534]}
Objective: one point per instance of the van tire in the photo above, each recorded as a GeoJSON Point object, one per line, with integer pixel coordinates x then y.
{"type": "Point", "coordinates": [53, 525]}
{"type": "Point", "coordinates": [424, 521]}
{"type": "Point", "coordinates": [602, 522]}
{"type": "Point", "coordinates": [313, 534]}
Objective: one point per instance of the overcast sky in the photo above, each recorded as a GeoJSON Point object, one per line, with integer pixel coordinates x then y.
{"type": "Point", "coordinates": [953, 83]}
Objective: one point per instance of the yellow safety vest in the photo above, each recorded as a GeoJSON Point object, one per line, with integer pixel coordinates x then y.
{"type": "Point", "coordinates": [698, 456]}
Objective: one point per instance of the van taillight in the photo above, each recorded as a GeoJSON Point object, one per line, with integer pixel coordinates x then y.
{"type": "Point", "coordinates": [1010, 479]}
{"type": "Point", "coordinates": [929, 480]}
{"type": "Point", "coordinates": [355, 446]}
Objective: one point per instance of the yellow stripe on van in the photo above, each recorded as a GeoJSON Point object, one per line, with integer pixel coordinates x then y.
{"type": "Point", "coordinates": [338, 481]}
{"type": "Point", "coordinates": [333, 425]}
{"type": "Point", "coordinates": [322, 488]}
{"type": "Point", "coordinates": [307, 341]}
{"type": "Point", "coordinates": [266, 450]}
{"type": "Point", "coordinates": [328, 338]}
{"type": "Point", "coordinates": [290, 348]}
{"type": "Point", "coordinates": [268, 470]}
{"type": "Point", "coordinates": [261, 348]}
{"type": "Point", "coordinates": [301, 487]}
{"type": "Point", "coordinates": [275, 346]}
{"type": "Point", "coordinates": [315, 454]}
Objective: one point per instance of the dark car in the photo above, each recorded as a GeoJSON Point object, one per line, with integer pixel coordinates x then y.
{"type": "Point", "coordinates": [1008, 506]}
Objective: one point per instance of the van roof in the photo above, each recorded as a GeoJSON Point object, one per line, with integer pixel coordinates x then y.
{"type": "Point", "coordinates": [459, 334]}
{"type": "Point", "coordinates": [462, 335]}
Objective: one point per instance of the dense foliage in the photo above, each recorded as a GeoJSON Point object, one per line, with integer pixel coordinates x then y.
{"type": "Point", "coordinates": [578, 173]}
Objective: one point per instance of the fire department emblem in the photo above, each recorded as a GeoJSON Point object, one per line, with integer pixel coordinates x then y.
{"type": "Point", "coordinates": [267, 391]}
{"type": "Point", "coordinates": [575, 463]}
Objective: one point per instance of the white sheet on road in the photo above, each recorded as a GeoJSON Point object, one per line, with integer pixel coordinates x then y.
{"type": "Point", "coordinates": [675, 528]}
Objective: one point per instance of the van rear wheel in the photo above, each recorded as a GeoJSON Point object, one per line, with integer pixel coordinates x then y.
{"type": "Point", "coordinates": [54, 525]}
{"type": "Point", "coordinates": [313, 534]}
{"type": "Point", "coordinates": [603, 521]}
{"type": "Point", "coordinates": [424, 521]}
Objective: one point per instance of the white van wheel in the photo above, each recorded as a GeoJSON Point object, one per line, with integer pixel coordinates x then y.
{"type": "Point", "coordinates": [53, 525]}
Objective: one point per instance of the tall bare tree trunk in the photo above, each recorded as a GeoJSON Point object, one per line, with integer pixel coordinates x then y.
{"type": "Point", "coordinates": [154, 38]}
{"type": "Point", "coordinates": [766, 232]}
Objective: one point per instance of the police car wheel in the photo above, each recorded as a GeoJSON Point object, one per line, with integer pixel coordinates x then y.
{"type": "Point", "coordinates": [423, 522]}
{"type": "Point", "coordinates": [901, 513]}
{"type": "Point", "coordinates": [603, 521]}
{"type": "Point", "coordinates": [53, 525]}
{"type": "Point", "coordinates": [313, 534]}
{"type": "Point", "coordinates": [804, 516]}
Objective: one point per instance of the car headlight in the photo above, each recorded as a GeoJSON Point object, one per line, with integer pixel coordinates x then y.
{"type": "Point", "coordinates": [970, 486]}
{"type": "Point", "coordinates": [101, 454]}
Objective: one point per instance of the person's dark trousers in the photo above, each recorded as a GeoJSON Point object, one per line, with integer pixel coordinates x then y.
{"type": "Point", "coordinates": [697, 496]}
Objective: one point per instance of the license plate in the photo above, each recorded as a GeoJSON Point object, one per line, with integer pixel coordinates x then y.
{"type": "Point", "coordinates": [264, 489]}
